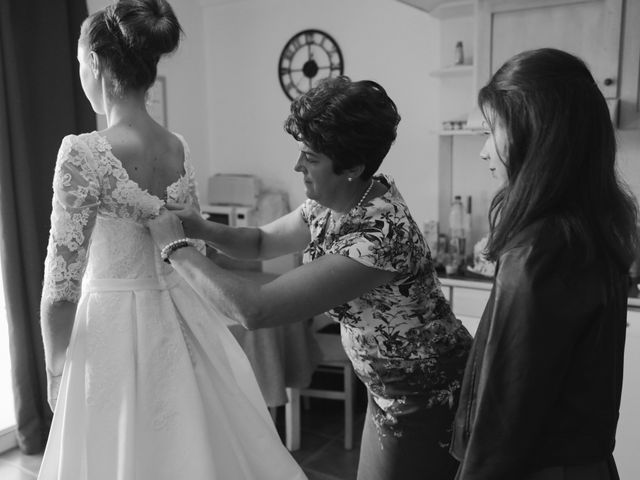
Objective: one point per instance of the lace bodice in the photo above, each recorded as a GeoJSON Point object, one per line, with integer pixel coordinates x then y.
{"type": "Point", "coordinates": [98, 218]}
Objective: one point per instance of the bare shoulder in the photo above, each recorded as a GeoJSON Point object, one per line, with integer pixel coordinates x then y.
{"type": "Point", "coordinates": [143, 142]}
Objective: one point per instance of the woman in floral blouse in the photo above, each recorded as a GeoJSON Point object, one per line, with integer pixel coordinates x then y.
{"type": "Point", "coordinates": [365, 263]}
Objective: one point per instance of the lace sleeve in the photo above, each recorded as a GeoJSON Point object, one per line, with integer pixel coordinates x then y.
{"type": "Point", "coordinates": [74, 208]}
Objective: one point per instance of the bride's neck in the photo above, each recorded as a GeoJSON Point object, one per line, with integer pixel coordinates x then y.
{"type": "Point", "coordinates": [129, 110]}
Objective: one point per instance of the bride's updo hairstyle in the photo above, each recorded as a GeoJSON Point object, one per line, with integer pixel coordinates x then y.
{"type": "Point", "coordinates": [129, 37]}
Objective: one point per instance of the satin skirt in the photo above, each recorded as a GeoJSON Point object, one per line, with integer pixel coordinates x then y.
{"type": "Point", "coordinates": [155, 387]}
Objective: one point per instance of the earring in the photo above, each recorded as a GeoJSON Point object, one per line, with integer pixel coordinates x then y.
{"type": "Point", "coordinates": [349, 179]}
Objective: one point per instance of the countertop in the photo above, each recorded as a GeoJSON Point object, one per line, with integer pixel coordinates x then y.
{"type": "Point", "coordinates": [480, 283]}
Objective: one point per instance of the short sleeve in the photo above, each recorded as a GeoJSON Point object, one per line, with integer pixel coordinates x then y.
{"type": "Point", "coordinates": [378, 242]}
{"type": "Point", "coordinates": [306, 211]}
{"type": "Point", "coordinates": [76, 197]}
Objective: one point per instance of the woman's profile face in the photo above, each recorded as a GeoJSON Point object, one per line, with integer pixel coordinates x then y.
{"type": "Point", "coordinates": [321, 182]}
{"type": "Point", "coordinates": [494, 151]}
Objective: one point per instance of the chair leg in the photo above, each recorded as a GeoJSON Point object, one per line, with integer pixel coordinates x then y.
{"type": "Point", "coordinates": [292, 420]}
{"type": "Point", "coordinates": [349, 389]}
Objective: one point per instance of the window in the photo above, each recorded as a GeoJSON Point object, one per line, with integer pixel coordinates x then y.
{"type": "Point", "coordinates": [7, 413]}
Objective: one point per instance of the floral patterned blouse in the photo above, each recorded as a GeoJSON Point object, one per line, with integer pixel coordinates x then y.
{"type": "Point", "coordinates": [405, 343]}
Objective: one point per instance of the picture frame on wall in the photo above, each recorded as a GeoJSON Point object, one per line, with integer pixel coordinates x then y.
{"type": "Point", "coordinates": [157, 101]}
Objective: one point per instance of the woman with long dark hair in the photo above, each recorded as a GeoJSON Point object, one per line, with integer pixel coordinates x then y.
{"type": "Point", "coordinates": [541, 392]}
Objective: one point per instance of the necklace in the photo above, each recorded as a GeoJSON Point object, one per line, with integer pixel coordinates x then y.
{"type": "Point", "coordinates": [364, 195]}
{"type": "Point", "coordinates": [332, 221]}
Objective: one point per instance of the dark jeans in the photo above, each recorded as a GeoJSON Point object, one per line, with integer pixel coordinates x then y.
{"type": "Point", "coordinates": [416, 448]}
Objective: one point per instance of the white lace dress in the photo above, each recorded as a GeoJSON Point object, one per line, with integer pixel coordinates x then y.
{"type": "Point", "coordinates": [154, 386]}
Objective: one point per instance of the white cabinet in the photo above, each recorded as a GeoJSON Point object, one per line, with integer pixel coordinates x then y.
{"type": "Point", "coordinates": [628, 436]}
{"type": "Point", "coordinates": [629, 117]}
{"type": "Point", "coordinates": [604, 33]}
{"type": "Point", "coordinates": [467, 299]}
{"type": "Point", "coordinates": [590, 29]}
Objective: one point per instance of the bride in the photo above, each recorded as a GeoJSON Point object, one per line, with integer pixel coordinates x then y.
{"type": "Point", "coordinates": [145, 378]}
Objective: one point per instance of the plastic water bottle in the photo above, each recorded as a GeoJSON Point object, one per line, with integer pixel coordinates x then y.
{"type": "Point", "coordinates": [466, 223]}
{"type": "Point", "coordinates": [456, 233]}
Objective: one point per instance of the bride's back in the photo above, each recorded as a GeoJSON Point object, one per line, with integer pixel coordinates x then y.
{"type": "Point", "coordinates": [120, 243]}
{"type": "Point", "coordinates": [152, 157]}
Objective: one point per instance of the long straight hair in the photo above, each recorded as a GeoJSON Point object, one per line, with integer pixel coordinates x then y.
{"type": "Point", "coordinates": [560, 159]}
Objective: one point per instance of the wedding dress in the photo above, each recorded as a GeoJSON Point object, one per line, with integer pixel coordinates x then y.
{"type": "Point", "coordinates": [154, 385]}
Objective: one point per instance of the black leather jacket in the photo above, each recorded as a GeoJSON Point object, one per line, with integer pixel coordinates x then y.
{"type": "Point", "coordinates": [544, 376]}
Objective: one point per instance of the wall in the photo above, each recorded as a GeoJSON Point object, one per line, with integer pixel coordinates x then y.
{"type": "Point", "coordinates": [382, 40]}
{"type": "Point", "coordinates": [224, 95]}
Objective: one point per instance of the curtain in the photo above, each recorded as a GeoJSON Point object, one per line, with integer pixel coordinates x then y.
{"type": "Point", "coordinates": [41, 101]}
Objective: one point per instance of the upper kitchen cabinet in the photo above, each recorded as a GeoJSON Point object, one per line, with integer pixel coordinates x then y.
{"type": "Point", "coordinates": [589, 29]}
{"type": "Point", "coordinates": [630, 67]}
{"type": "Point", "coordinates": [444, 8]}
{"type": "Point", "coordinates": [603, 33]}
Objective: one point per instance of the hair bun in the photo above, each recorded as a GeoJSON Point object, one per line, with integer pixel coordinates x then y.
{"type": "Point", "coordinates": [130, 36]}
{"type": "Point", "coordinates": [164, 29]}
{"type": "Point", "coordinates": [148, 27]}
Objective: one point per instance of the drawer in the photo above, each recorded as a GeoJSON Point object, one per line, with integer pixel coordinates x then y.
{"type": "Point", "coordinates": [633, 324]}
{"type": "Point", "coordinates": [446, 291]}
{"type": "Point", "coordinates": [469, 302]}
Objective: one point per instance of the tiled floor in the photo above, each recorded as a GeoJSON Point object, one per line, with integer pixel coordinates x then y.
{"type": "Point", "coordinates": [322, 454]}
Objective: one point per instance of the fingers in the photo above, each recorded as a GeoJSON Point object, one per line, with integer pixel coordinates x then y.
{"type": "Point", "coordinates": [176, 206]}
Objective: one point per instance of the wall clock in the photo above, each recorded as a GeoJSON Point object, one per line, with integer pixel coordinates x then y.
{"type": "Point", "coordinates": [308, 57]}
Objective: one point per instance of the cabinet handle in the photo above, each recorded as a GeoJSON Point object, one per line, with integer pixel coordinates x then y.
{"type": "Point", "coordinates": [608, 81]}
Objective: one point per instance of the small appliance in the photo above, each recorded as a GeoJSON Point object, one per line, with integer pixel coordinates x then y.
{"type": "Point", "coordinates": [232, 215]}
{"type": "Point", "coordinates": [234, 189]}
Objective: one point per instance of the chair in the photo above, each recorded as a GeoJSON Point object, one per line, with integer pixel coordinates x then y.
{"type": "Point", "coordinates": [333, 361]}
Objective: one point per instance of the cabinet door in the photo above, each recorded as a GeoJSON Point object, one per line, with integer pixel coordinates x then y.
{"type": "Point", "coordinates": [628, 436]}
{"type": "Point", "coordinates": [630, 68]}
{"type": "Point", "coordinates": [590, 29]}
{"type": "Point", "coordinates": [468, 305]}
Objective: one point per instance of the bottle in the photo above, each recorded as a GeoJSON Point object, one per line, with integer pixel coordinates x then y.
{"type": "Point", "coordinates": [466, 223]}
{"type": "Point", "coordinates": [456, 233]}
{"type": "Point", "coordinates": [458, 57]}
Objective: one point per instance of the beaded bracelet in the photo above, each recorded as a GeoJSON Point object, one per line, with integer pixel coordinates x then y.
{"type": "Point", "coordinates": [168, 249]}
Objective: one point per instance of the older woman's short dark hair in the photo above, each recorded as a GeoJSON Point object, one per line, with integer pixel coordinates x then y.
{"type": "Point", "coordinates": [352, 123]}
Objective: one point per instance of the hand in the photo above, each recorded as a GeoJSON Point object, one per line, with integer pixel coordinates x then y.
{"type": "Point", "coordinates": [165, 228]}
{"type": "Point", "coordinates": [192, 221]}
{"type": "Point", "coordinates": [53, 389]}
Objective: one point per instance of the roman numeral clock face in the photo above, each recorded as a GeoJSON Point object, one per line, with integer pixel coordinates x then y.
{"type": "Point", "coordinates": [307, 58]}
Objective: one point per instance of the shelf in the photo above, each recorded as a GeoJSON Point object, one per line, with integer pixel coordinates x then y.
{"type": "Point", "coordinates": [443, 9]}
{"type": "Point", "coordinates": [464, 131]}
{"type": "Point", "coordinates": [454, 70]}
